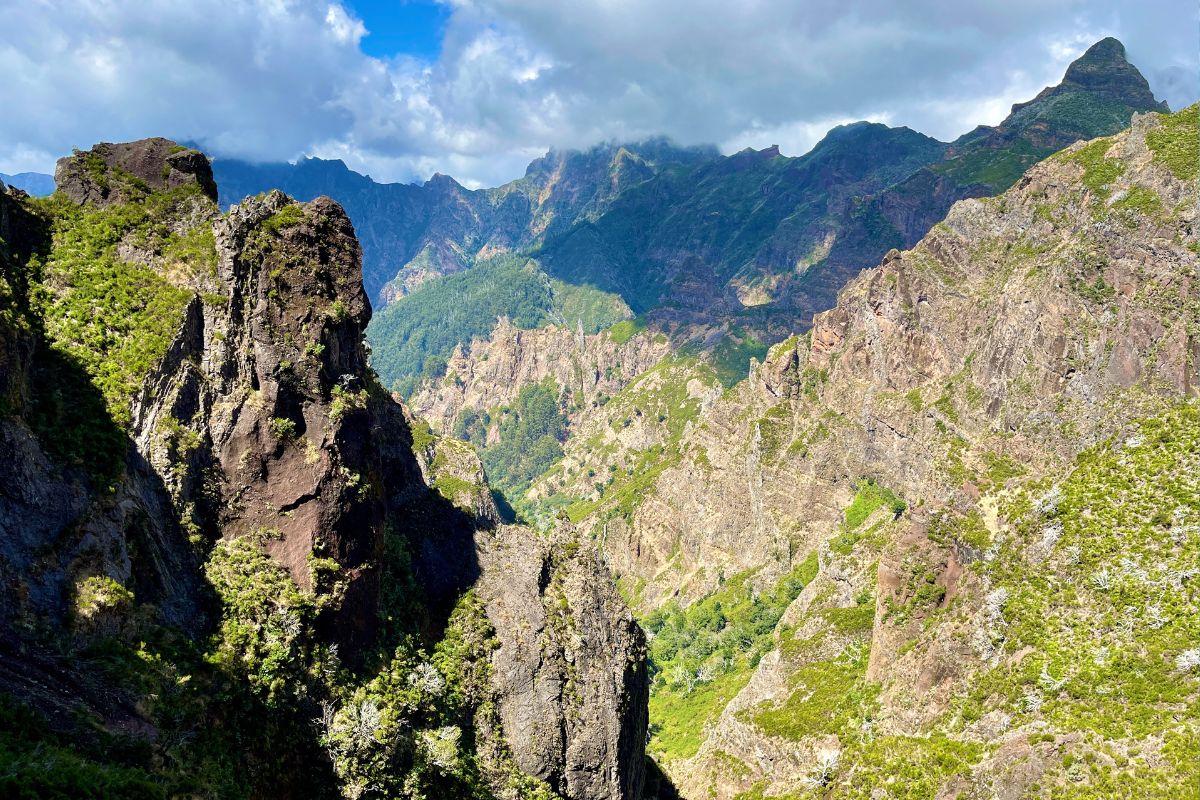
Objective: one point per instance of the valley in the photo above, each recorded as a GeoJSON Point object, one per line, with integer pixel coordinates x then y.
{"type": "Point", "coordinates": [653, 474]}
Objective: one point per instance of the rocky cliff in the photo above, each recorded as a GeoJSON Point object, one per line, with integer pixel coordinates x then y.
{"type": "Point", "coordinates": [218, 527]}
{"type": "Point", "coordinates": [489, 373]}
{"type": "Point", "coordinates": [731, 253]}
{"type": "Point", "coordinates": [895, 483]}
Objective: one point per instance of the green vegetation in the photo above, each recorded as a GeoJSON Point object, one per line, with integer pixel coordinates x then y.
{"type": "Point", "coordinates": [283, 429]}
{"type": "Point", "coordinates": [71, 419]}
{"type": "Point", "coordinates": [343, 402]}
{"type": "Point", "coordinates": [265, 616]}
{"type": "Point", "coordinates": [113, 318]}
{"type": "Point", "coordinates": [1099, 172]}
{"type": "Point", "coordinates": [995, 168]}
{"type": "Point", "coordinates": [105, 323]}
{"type": "Point", "coordinates": [699, 227]}
{"type": "Point", "coordinates": [962, 529]}
{"type": "Point", "coordinates": [702, 655]}
{"type": "Point", "coordinates": [98, 594]}
{"type": "Point", "coordinates": [236, 719]}
{"type": "Point", "coordinates": [1176, 143]}
{"type": "Point", "coordinates": [920, 592]}
{"type": "Point", "coordinates": [586, 307]}
{"type": "Point", "coordinates": [679, 715]}
{"type": "Point", "coordinates": [626, 329]}
{"type": "Point", "coordinates": [828, 696]}
{"type": "Point", "coordinates": [775, 430]}
{"type": "Point", "coordinates": [408, 731]}
{"type": "Point", "coordinates": [1141, 200]}
{"type": "Point", "coordinates": [660, 393]}
{"type": "Point", "coordinates": [530, 439]}
{"type": "Point", "coordinates": [37, 764]}
{"type": "Point", "coordinates": [869, 497]}
{"type": "Point", "coordinates": [912, 767]}
{"type": "Point", "coordinates": [291, 214]}
{"type": "Point", "coordinates": [1091, 588]}
{"type": "Point", "coordinates": [412, 338]}
{"type": "Point", "coordinates": [731, 357]}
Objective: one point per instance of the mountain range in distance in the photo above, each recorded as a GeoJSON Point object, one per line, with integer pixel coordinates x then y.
{"type": "Point", "coordinates": [37, 184]}
{"type": "Point", "coordinates": [741, 249]}
{"type": "Point", "coordinates": [734, 251]}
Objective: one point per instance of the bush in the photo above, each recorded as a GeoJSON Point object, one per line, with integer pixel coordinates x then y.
{"type": "Point", "coordinates": [115, 318]}
{"type": "Point", "coordinates": [283, 429]}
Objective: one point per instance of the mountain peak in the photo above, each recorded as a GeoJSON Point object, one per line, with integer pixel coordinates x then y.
{"type": "Point", "coordinates": [1109, 49]}
{"type": "Point", "coordinates": [442, 181]}
{"type": "Point", "coordinates": [1098, 94]}
{"type": "Point", "coordinates": [749, 155]}
{"type": "Point", "coordinates": [1105, 70]}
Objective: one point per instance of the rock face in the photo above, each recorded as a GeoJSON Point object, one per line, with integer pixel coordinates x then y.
{"type": "Point", "coordinates": [1020, 332]}
{"type": "Point", "coordinates": [254, 379]}
{"type": "Point", "coordinates": [489, 373]}
{"type": "Point", "coordinates": [990, 335]}
{"type": "Point", "coordinates": [576, 716]}
{"type": "Point", "coordinates": [262, 422]}
{"type": "Point", "coordinates": [97, 176]}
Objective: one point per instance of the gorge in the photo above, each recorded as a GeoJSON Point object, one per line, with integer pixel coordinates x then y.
{"type": "Point", "coordinates": [656, 473]}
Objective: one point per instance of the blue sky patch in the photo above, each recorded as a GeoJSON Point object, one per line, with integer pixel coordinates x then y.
{"type": "Point", "coordinates": [401, 27]}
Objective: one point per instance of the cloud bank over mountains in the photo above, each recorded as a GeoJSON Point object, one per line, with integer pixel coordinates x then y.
{"type": "Point", "coordinates": [276, 79]}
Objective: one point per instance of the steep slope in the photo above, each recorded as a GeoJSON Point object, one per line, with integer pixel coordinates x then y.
{"type": "Point", "coordinates": [517, 394]}
{"type": "Point", "coordinates": [229, 568]}
{"type": "Point", "coordinates": [739, 252]}
{"type": "Point", "coordinates": [781, 236]}
{"type": "Point", "coordinates": [1010, 329]}
{"type": "Point", "coordinates": [1098, 94]}
{"type": "Point", "coordinates": [411, 233]}
{"type": "Point", "coordinates": [718, 238]}
{"type": "Point", "coordinates": [970, 489]}
{"type": "Point", "coordinates": [413, 337]}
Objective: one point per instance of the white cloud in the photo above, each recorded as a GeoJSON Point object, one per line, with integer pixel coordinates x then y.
{"type": "Point", "coordinates": [272, 79]}
{"type": "Point", "coordinates": [793, 138]}
{"type": "Point", "coordinates": [346, 29]}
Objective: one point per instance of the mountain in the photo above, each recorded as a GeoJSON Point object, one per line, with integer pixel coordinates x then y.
{"type": "Point", "coordinates": [773, 239]}
{"type": "Point", "coordinates": [944, 543]}
{"type": "Point", "coordinates": [34, 183]}
{"type": "Point", "coordinates": [410, 233]}
{"type": "Point", "coordinates": [735, 233]}
{"type": "Point", "coordinates": [1097, 96]}
{"type": "Point", "coordinates": [722, 260]}
{"type": "Point", "coordinates": [233, 565]}
{"type": "Point", "coordinates": [736, 253]}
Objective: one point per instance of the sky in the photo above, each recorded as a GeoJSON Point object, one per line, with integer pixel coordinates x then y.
{"type": "Point", "coordinates": [401, 89]}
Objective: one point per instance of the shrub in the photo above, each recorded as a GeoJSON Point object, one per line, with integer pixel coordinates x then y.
{"type": "Point", "coordinates": [283, 429]}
